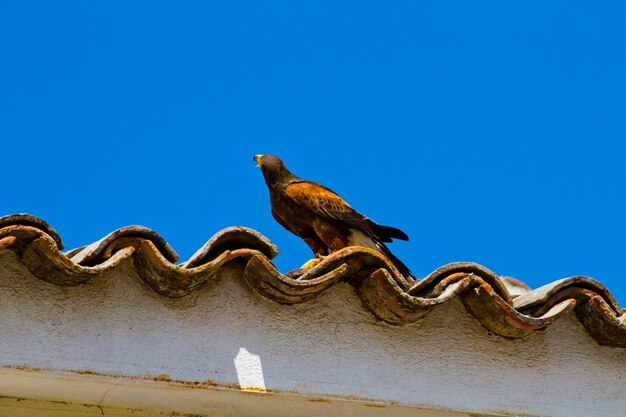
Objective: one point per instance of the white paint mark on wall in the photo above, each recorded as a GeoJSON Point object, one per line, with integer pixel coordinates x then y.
{"type": "Point", "coordinates": [249, 370]}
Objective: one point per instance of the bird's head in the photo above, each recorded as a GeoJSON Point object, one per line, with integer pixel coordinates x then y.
{"type": "Point", "coordinates": [272, 167]}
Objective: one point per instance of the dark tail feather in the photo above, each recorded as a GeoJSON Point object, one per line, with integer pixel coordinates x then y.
{"type": "Point", "coordinates": [400, 266]}
{"type": "Point", "coordinates": [386, 233]}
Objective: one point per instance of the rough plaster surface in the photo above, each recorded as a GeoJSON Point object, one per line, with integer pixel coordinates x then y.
{"type": "Point", "coordinates": [328, 347]}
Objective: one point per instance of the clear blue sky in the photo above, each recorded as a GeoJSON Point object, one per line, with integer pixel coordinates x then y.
{"type": "Point", "coordinates": [492, 132]}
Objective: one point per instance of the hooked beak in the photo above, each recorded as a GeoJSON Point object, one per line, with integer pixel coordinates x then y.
{"type": "Point", "coordinates": [257, 159]}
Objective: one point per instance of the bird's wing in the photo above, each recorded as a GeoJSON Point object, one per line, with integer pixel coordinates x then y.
{"type": "Point", "coordinates": [321, 200]}
{"type": "Point", "coordinates": [327, 204]}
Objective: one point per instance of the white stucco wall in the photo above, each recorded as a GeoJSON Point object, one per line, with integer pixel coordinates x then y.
{"type": "Point", "coordinates": [226, 335]}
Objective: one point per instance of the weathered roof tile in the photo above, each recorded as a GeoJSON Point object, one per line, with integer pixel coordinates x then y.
{"type": "Point", "coordinates": [504, 306]}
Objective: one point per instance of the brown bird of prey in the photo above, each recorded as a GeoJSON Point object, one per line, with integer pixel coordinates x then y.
{"type": "Point", "coordinates": [320, 217]}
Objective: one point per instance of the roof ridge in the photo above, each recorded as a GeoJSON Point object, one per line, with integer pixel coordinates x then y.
{"type": "Point", "coordinates": [387, 294]}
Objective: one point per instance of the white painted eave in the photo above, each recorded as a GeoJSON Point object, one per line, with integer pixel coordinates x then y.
{"type": "Point", "coordinates": [105, 395]}
{"type": "Point", "coordinates": [115, 345]}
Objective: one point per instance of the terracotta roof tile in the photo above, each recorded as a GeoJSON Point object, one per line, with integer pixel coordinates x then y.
{"type": "Point", "coordinates": [503, 305]}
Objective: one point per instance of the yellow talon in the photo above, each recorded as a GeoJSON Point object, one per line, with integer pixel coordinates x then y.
{"type": "Point", "coordinates": [313, 262]}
